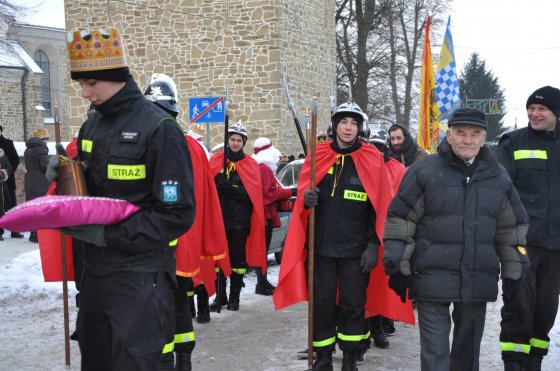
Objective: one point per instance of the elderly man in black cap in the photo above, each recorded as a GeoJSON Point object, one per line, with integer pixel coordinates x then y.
{"type": "Point", "coordinates": [455, 223]}
{"type": "Point", "coordinates": [531, 156]}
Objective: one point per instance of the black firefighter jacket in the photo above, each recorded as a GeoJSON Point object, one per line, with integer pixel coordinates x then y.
{"type": "Point", "coordinates": [136, 152]}
{"type": "Point", "coordinates": [532, 159]}
{"type": "Point", "coordinates": [452, 230]}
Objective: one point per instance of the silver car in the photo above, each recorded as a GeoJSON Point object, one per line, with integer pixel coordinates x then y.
{"type": "Point", "coordinates": [288, 177]}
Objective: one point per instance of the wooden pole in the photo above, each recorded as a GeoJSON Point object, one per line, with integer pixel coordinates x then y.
{"type": "Point", "coordinates": [64, 266]}
{"type": "Point", "coordinates": [311, 230]}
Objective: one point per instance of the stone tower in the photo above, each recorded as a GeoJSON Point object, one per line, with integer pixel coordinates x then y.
{"type": "Point", "coordinates": [250, 45]}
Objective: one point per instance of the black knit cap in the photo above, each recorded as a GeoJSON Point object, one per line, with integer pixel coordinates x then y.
{"type": "Point", "coordinates": [548, 97]}
{"type": "Point", "coordinates": [115, 74]}
{"type": "Point", "coordinates": [468, 116]}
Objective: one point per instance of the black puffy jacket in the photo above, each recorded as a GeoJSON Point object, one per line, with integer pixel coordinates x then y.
{"type": "Point", "coordinates": [454, 229]}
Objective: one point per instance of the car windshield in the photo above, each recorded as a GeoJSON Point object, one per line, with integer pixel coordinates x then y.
{"type": "Point", "coordinates": [289, 175]}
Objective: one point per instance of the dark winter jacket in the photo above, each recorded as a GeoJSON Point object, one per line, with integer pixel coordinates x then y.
{"type": "Point", "coordinates": [36, 158]}
{"type": "Point", "coordinates": [409, 151]}
{"type": "Point", "coordinates": [237, 207]}
{"type": "Point", "coordinates": [5, 173]}
{"type": "Point", "coordinates": [454, 229]}
{"type": "Point", "coordinates": [344, 218]}
{"type": "Point", "coordinates": [532, 159]}
{"type": "Point", "coordinates": [10, 151]}
{"type": "Point", "coordinates": [136, 152]}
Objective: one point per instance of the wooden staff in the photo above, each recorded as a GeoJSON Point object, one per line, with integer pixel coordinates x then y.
{"type": "Point", "coordinates": [220, 274]}
{"type": "Point", "coordinates": [64, 268]}
{"type": "Point", "coordinates": [311, 230]}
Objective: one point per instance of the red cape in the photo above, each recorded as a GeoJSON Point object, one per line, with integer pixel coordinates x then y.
{"type": "Point", "coordinates": [50, 240]}
{"type": "Point", "coordinates": [378, 182]}
{"type": "Point", "coordinates": [249, 172]}
{"type": "Point", "coordinates": [205, 242]}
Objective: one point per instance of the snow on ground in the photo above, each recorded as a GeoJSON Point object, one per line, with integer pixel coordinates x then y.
{"type": "Point", "coordinates": [256, 337]}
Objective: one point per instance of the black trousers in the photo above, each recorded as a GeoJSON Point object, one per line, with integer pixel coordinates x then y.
{"type": "Point", "coordinates": [183, 338]}
{"type": "Point", "coordinates": [343, 323]}
{"type": "Point", "coordinates": [529, 317]}
{"type": "Point", "coordinates": [236, 247]}
{"type": "Point", "coordinates": [122, 320]}
{"type": "Point", "coordinates": [434, 323]}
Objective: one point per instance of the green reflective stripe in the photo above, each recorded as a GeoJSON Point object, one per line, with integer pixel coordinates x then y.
{"type": "Point", "coordinates": [87, 145]}
{"type": "Point", "coordinates": [330, 170]}
{"type": "Point", "coordinates": [239, 270]}
{"type": "Point", "coordinates": [168, 348]}
{"type": "Point", "coordinates": [355, 195]}
{"type": "Point", "coordinates": [324, 343]}
{"type": "Point", "coordinates": [173, 243]}
{"type": "Point", "coordinates": [350, 337]}
{"type": "Point", "coordinates": [126, 172]}
{"type": "Point", "coordinates": [514, 347]}
{"type": "Point", "coordinates": [366, 336]}
{"type": "Point", "coordinates": [522, 154]}
{"type": "Point", "coordinates": [190, 293]}
{"type": "Point", "coordinates": [217, 270]}
{"type": "Point", "coordinates": [185, 337]}
{"type": "Point", "coordinates": [538, 343]}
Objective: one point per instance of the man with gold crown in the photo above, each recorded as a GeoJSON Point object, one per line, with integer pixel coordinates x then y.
{"type": "Point", "coordinates": [134, 151]}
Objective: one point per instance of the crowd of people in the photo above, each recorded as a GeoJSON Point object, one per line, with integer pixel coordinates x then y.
{"type": "Point", "coordinates": [392, 223]}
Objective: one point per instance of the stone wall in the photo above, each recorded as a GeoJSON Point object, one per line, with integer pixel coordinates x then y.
{"type": "Point", "coordinates": [248, 45]}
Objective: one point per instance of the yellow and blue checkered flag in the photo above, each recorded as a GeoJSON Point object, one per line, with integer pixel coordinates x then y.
{"type": "Point", "coordinates": [448, 97]}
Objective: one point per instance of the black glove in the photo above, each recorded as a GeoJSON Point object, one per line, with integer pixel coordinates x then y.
{"type": "Point", "coordinates": [510, 288]}
{"type": "Point", "coordinates": [400, 283]}
{"type": "Point", "coordinates": [369, 258]}
{"type": "Point", "coordinates": [223, 186]}
{"type": "Point", "coordinates": [90, 233]}
{"type": "Point", "coordinates": [311, 198]}
{"type": "Point", "coordinates": [294, 192]}
{"type": "Point", "coordinates": [52, 169]}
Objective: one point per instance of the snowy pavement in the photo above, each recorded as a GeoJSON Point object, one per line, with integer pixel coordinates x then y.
{"type": "Point", "coordinates": [255, 338]}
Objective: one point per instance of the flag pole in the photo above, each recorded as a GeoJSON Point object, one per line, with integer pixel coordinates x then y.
{"type": "Point", "coordinates": [311, 230]}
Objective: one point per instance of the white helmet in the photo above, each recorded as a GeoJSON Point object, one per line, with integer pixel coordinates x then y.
{"type": "Point", "coordinates": [350, 109]}
{"type": "Point", "coordinates": [238, 128]}
{"type": "Point", "coordinates": [167, 79]}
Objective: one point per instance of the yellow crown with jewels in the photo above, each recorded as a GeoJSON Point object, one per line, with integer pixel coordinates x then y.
{"type": "Point", "coordinates": [96, 50]}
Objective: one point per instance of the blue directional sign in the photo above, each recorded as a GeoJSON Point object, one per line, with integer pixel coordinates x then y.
{"type": "Point", "coordinates": [210, 109]}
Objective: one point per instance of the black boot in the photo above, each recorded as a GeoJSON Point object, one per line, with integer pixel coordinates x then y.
{"type": "Point", "coordinates": [349, 361]}
{"type": "Point", "coordinates": [324, 360]}
{"type": "Point", "coordinates": [536, 363]}
{"type": "Point", "coordinates": [183, 361]}
{"type": "Point", "coordinates": [202, 303]}
{"type": "Point", "coordinates": [223, 299]}
{"type": "Point", "coordinates": [263, 287]}
{"type": "Point", "coordinates": [379, 336]}
{"type": "Point", "coordinates": [33, 237]}
{"type": "Point", "coordinates": [388, 326]}
{"type": "Point", "coordinates": [167, 362]}
{"type": "Point", "coordinates": [16, 235]}
{"type": "Point", "coordinates": [514, 366]}
{"type": "Point", "coordinates": [235, 291]}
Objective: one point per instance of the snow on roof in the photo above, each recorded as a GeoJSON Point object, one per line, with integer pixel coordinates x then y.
{"type": "Point", "coordinates": [26, 58]}
{"type": "Point", "coordinates": [13, 55]}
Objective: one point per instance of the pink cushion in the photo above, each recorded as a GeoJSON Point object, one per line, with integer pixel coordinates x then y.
{"type": "Point", "coordinates": [66, 211]}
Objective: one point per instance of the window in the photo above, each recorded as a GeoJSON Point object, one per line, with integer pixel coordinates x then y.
{"type": "Point", "coordinates": [43, 62]}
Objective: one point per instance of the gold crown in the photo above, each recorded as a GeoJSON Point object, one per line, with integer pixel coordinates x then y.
{"type": "Point", "coordinates": [41, 134]}
{"type": "Point", "coordinates": [98, 50]}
